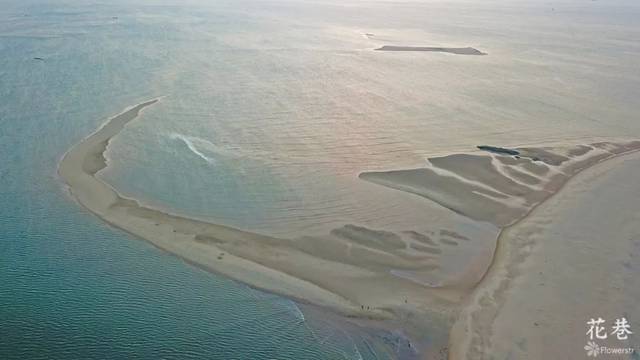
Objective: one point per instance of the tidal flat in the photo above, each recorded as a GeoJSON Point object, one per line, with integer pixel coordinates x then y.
{"type": "Point", "coordinates": [374, 275]}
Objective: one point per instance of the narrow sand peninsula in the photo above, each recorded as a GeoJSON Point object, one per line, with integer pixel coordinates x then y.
{"type": "Point", "coordinates": [576, 257]}
{"type": "Point", "coordinates": [502, 188]}
{"type": "Point", "coordinates": [368, 274]}
{"type": "Point", "coordinates": [198, 242]}
{"type": "Point", "coordinates": [409, 281]}
{"type": "Point", "coordinates": [456, 51]}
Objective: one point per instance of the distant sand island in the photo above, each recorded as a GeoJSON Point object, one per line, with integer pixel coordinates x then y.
{"type": "Point", "coordinates": [457, 51]}
{"type": "Point", "coordinates": [392, 279]}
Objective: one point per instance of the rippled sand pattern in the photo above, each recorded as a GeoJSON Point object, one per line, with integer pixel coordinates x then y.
{"type": "Point", "coordinates": [497, 187]}
{"type": "Point", "coordinates": [356, 270]}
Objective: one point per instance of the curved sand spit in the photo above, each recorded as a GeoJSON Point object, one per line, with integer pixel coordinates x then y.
{"type": "Point", "coordinates": [402, 277]}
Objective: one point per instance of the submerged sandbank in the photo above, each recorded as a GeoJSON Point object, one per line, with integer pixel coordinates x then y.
{"type": "Point", "coordinates": [502, 185]}
{"type": "Point", "coordinates": [407, 280]}
{"type": "Point", "coordinates": [503, 188]}
{"type": "Point", "coordinates": [456, 51]}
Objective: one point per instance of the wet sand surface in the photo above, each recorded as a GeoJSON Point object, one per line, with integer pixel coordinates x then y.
{"type": "Point", "coordinates": [372, 275]}
{"type": "Point", "coordinates": [406, 280]}
{"type": "Point", "coordinates": [498, 186]}
{"type": "Point", "coordinates": [572, 259]}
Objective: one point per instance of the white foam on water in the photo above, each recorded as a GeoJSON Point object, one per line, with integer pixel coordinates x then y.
{"type": "Point", "coordinates": [193, 144]}
{"type": "Point", "coordinates": [294, 309]}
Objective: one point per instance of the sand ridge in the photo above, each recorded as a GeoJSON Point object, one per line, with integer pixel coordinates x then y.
{"type": "Point", "coordinates": [501, 186]}
{"type": "Point", "coordinates": [402, 277]}
{"type": "Point", "coordinates": [368, 274]}
{"type": "Point", "coordinates": [456, 51]}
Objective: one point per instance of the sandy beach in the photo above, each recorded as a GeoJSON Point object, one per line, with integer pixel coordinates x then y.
{"type": "Point", "coordinates": [304, 180]}
{"type": "Point", "coordinates": [396, 280]}
{"type": "Point", "coordinates": [356, 284]}
{"type": "Point", "coordinates": [569, 261]}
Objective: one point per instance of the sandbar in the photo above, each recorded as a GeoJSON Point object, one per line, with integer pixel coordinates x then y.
{"type": "Point", "coordinates": [404, 281]}
{"type": "Point", "coordinates": [456, 51]}
{"type": "Point", "coordinates": [372, 276]}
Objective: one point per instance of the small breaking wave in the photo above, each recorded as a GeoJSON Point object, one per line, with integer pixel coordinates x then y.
{"type": "Point", "coordinates": [202, 147]}
{"type": "Point", "coordinates": [297, 312]}
{"type": "Point", "coordinates": [196, 145]}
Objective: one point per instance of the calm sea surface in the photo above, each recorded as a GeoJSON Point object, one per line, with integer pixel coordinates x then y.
{"type": "Point", "coordinates": [269, 111]}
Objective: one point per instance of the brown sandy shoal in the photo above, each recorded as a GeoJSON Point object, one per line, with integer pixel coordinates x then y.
{"type": "Point", "coordinates": [349, 271]}
{"type": "Point", "coordinates": [403, 279]}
